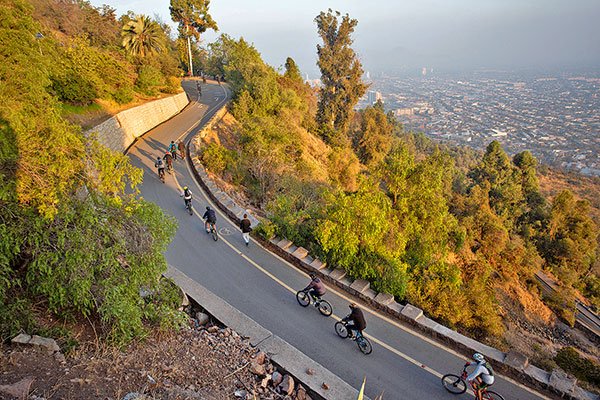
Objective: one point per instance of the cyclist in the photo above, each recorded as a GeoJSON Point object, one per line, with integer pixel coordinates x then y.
{"type": "Point", "coordinates": [169, 160]}
{"type": "Point", "coordinates": [173, 150]}
{"type": "Point", "coordinates": [187, 196]}
{"type": "Point", "coordinates": [316, 288]}
{"type": "Point", "coordinates": [356, 321]}
{"type": "Point", "coordinates": [158, 164]}
{"type": "Point", "coordinates": [181, 148]}
{"type": "Point", "coordinates": [482, 376]}
{"type": "Point", "coordinates": [210, 218]}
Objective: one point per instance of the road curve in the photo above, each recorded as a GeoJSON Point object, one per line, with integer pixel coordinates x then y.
{"type": "Point", "coordinates": [404, 364]}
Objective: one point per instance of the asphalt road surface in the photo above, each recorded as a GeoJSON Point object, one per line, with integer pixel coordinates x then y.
{"type": "Point", "coordinates": [404, 364]}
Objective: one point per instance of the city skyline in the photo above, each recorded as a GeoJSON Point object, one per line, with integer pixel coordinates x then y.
{"type": "Point", "coordinates": [407, 35]}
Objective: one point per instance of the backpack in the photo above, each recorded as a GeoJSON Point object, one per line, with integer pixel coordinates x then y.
{"type": "Point", "coordinates": [489, 368]}
{"type": "Point", "coordinates": [158, 163]}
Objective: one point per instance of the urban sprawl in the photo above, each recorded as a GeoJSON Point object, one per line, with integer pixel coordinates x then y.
{"type": "Point", "coordinates": [556, 118]}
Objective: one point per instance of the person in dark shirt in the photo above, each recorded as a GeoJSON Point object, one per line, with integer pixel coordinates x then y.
{"type": "Point", "coordinates": [356, 320]}
{"type": "Point", "coordinates": [246, 227]}
{"type": "Point", "coordinates": [210, 218]}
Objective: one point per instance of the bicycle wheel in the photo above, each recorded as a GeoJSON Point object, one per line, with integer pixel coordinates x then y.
{"type": "Point", "coordinates": [190, 209]}
{"type": "Point", "coordinates": [491, 395]}
{"type": "Point", "coordinates": [340, 329]}
{"type": "Point", "coordinates": [325, 308]}
{"type": "Point", "coordinates": [364, 345]}
{"type": "Point", "coordinates": [215, 236]}
{"type": "Point", "coordinates": [454, 384]}
{"type": "Point", "coordinates": [302, 298]}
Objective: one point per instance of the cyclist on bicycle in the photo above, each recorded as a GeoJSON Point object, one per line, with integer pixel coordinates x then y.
{"type": "Point", "coordinates": [315, 288]}
{"type": "Point", "coordinates": [210, 218]}
{"type": "Point", "coordinates": [482, 376]}
{"type": "Point", "coordinates": [169, 160]}
{"type": "Point", "coordinates": [173, 150]}
{"type": "Point", "coordinates": [160, 166]}
{"type": "Point", "coordinates": [181, 148]}
{"type": "Point", "coordinates": [187, 196]}
{"type": "Point", "coordinates": [356, 321]}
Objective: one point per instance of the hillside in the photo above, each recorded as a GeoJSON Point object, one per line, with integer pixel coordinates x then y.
{"type": "Point", "coordinates": [457, 233]}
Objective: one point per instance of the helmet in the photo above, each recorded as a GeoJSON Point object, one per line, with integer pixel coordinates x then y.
{"type": "Point", "coordinates": [312, 275]}
{"type": "Point", "coordinates": [168, 152]}
{"type": "Point", "coordinates": [207, 208]}
{"type": "Point", "coordinates": [158, 158]}
{"type": "Point", "coordinates": [185, 188]}
{"type": "Point", "coordinates": [352, 305]}
{"type": "Point", "coordinates": [478, 357]}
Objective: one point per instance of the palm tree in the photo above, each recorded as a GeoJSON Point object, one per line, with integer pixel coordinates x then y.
{"type": "Point", "coordinates": [142, 36]}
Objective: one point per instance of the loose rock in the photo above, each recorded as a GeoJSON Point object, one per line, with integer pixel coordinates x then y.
{"type": "Point", "coordinates": [202, 318]}
{"type": "Point", "coordinates": [21, 338]}
{"type": "Point", "coordinates": [287, 385]}
{"type": "Point", "coordinates": [277, 378]}
{"type": "Point", "coordinates": [257, 369]}
{"type": "Point", "coordinates": [48, 344]}
{"type": "Point", "coordinates": [19, 389]}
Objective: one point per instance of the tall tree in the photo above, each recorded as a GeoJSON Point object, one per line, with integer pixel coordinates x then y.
{"type": "Point", "coordinates": [142, 37]}
{"type": "Point", "coordinates": [193, 19]}
{"type": "Point", "coordinates": [292, 71]}
{"type": "Point", "coordinates": [341, 73]}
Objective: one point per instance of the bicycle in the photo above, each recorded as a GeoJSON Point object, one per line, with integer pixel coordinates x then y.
{"type": "Point", "coordinates": [362, 342]}
{"type": "Point", "coordinates": [305, 298]}
{"type": "Point", "coordinates": [458, 385]}
{"type": "Point", "coordinates": [212, 230]}
{"type": "Point", "coordinates": [188, 206]}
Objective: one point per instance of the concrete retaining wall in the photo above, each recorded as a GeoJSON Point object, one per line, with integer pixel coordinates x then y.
{"type": "Point", "coordinates": [120, 131]}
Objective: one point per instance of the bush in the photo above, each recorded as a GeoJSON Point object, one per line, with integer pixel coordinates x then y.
{"type": "Point", "coordinates": [173, 85]}
{"type": "Point", "coordinates": [149, 79]}
{"type": "Point", "coordinates": [266, 230]}
{"type": "Point", "coordinates": [73, 89]}
{"type": "Point", "coordinates": [583, 368]}
{"type": "Point", "coordinates": [216, 158]}
{"type": "Point", "coordinates": [123, 95]}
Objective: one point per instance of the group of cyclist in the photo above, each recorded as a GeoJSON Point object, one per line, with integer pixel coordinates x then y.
{"type": "Point", "coordinates": [481, 377]}
{"type": "Point", "coordinates": [173, 151]}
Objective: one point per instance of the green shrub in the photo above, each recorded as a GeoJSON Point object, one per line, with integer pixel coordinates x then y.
{"type": "Point", "coordinates": [15, 316]}
{"type": "Point", "coordinates": [123, 95]}
{"type": "Point", "coordinates": [583, 368]}
{"type": "Point", "coordinates": [266, 230]}
{"type": "Point", "coordinates": [216, 158]}
{"type": "Point", "coordinates": [73, 89]}
{"type": "Point", "coordinates": [173, 85]}
{"type": "Point", "coordinates": [149, 80]}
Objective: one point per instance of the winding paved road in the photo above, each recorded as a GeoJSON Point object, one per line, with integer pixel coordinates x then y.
{"type": "Point", "coordinates": [404, 364]}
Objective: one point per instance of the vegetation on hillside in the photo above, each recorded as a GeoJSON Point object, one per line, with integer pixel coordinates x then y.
{"type": "Point", "coordinates": [75, 239]}
{"type": "Point", "coordinates": [453, 231]}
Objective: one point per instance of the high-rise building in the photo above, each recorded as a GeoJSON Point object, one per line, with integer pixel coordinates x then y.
{"type": "Point", "coordinates": [374, 97]}
{"type": "Point", "coordinates": [424, 71]}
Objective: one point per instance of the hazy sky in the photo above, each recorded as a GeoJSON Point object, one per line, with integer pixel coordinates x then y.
{"type": "Point", "coordinates": [409, 34]}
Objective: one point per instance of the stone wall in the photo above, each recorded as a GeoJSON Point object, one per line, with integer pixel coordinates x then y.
{"type": "Point", "coordinates": [120, 131]}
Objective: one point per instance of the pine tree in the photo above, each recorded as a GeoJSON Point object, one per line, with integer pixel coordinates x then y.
{"type": "Point", "coordinates": [341, 73]}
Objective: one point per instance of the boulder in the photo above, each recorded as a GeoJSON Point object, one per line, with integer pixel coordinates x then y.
{"type": "Point", "coordinates": [19, 389]}
{"type": "Point", "coordinates": [21, 338]}
{"type": "Point", "coordinates": [240, 394]}
{"type": "Point", "coordinates": [287, 385]}
{"type": "Point", "coordinates": [48, 344]}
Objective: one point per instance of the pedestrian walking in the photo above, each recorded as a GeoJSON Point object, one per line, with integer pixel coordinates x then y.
{"type": "Point", "coordinates": [245, 226]}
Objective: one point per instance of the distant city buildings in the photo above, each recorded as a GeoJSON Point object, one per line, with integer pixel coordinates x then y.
{"type": "Point", "coordinates": [373, 97]}
{"type": "Point", "coordinates": [556, 118]}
